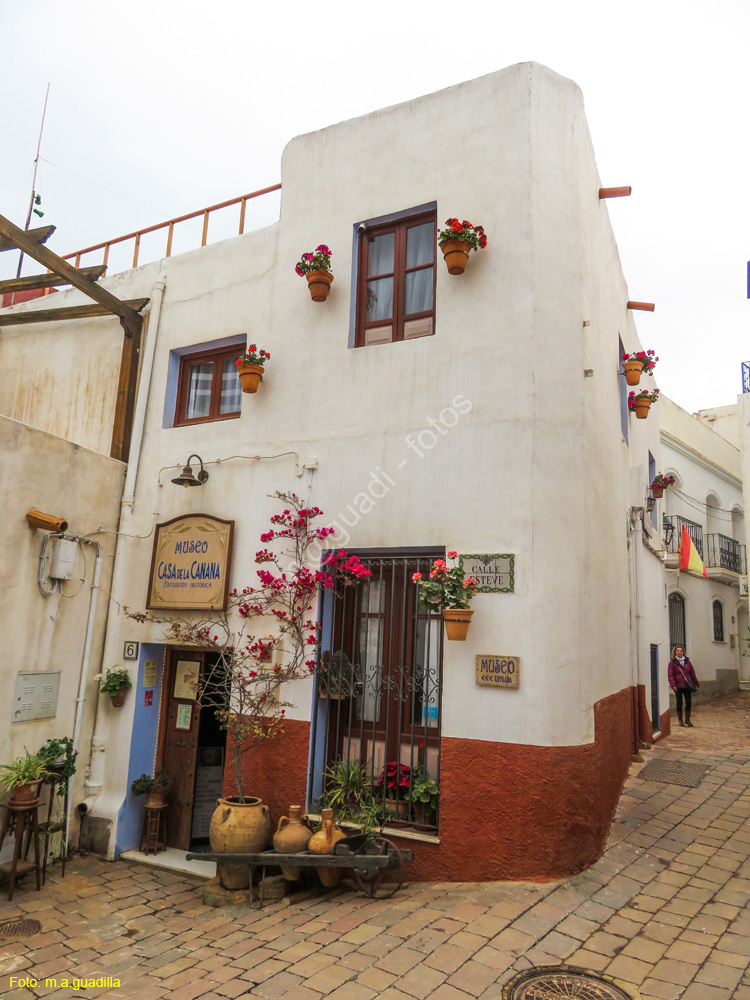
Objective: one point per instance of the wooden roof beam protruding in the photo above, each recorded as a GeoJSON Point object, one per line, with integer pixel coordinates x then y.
{"type": "Point", "coordinates": [66, 312]}
{"type": "Point", "coordinates": [35, 282]}
{"type": "Point", "coordinates": [643, 306]}
{"type": "Point", "coordinates": [621, 192]}
{"type": "Point", "coordinates": [38, 236]}
{"type": "Point", "coordinates": [23, 241]}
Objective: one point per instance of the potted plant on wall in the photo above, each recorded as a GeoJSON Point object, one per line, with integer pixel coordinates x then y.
{"type": "Point", "coordinates": [243, 687]}
{"type": "Point", "coordinates": [660, 483]}
{"type": "Point", "coordinates": [640, 402]}
{"type": "Point", "coordinates": [316, 267]}
{"type": "Point", "coordinates": [250, 367]}
{"type": "Point", "coordinates": [457, 240]}
{"type": "Point", "coordinates": [638, 363]}
{"type": "Point", "coordinates": [395, 782]}
{"type": "Point", "coordinates": [23, 777]}
{"type": "Point", "coordinates": [155, 787]}
{"type": "Point", "coordinates": [451, 592]}
{"type": "Point", "coordinates": [424, 795]}
{"type": "Point", "coordinates": [115, 681]}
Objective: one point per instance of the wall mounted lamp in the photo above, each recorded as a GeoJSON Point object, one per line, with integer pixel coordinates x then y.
{"type": "Point", "coordinates": [187, 478]}
{"type": "Point", "coordinates": [668, 534]}
{"type": "Point", "coordinates": [650, 503]}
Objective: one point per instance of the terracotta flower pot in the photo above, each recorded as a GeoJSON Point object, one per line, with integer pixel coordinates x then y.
{"type": "Point", "coordinates": [657, 491]}
{"type": "Point", "coordinates": [238, 828]}
{"type": "Point", "coordinates": [323, 842]}
{"type": "Point", "coordinates": [26, 794]}
{"type": "Point", "coordinates": [457, 621]}
{"type": "Point", "coordinates": [118, 700]}
{"type": "Point", "coordinates": [319, 283]}
{"type": "Point", "coordinates": [292, 837]}
{"type": "Point", "coordinates": [400, 809]}
{"type": "Point", "coordinates": [155, 798]}
{"type": "Point", "coordinates": [633, 371]}
{"type": "Point", "coordinates": [641, 407]}
{"type": "Point", "coordinates": [250, 376]}
{"type": "Point", "coordinates": [456, 255]}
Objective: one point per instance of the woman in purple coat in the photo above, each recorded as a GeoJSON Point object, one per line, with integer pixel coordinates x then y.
{"type": "Point", "coordinates": [681, 676]}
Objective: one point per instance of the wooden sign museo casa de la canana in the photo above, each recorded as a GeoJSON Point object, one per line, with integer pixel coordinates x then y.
{"type": "Point", "coordinates": [191, 563]}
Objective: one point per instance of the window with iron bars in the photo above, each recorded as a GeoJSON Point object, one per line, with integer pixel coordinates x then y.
{"type": "Point", "coordinates": [718, 622]}
{"type": "Point", "coordinates": [376, 722]}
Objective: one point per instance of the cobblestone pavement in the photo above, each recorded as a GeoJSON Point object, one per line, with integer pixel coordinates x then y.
{"type": "Point", "coordinates": [666, 912]}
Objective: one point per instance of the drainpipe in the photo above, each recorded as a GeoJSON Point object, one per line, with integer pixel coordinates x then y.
{"type": "Point", "coordinates": [634, 558]}
{"type": "Point", "coordinates": [97, 758]}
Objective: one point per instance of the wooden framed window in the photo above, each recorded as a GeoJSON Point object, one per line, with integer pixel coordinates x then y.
{"type": "Point", "coordinates": [208, 387]}
{"type": "Point", "coordinates": [396, 281]}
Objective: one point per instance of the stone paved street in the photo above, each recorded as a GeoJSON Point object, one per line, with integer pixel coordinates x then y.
{"type": "Point", "coordinates": [665, 912]}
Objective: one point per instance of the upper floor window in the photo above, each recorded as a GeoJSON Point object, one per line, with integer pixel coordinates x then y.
{"type": "Point", "coordinates": [718, 622]}
{"type": "Point", "coordinates": [396, 281]}
{"type": "Point", "coordinates": [208, 387]}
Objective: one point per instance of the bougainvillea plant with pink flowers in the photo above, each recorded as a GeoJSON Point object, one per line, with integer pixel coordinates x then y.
{"type": "Point", "coordinates": [647, 358]}
{"type": "Point", "coordinates": [446, 588]}
{"type": "Point", "coordinates": [633, 397]}
{"type": "Point", "coordinates": [464, 230]}
{"type": "Point", "coordinates": [266, 636]}
{"type": "Point", "coordinates": [253, 356]}
{"type": "Point", "coordinates": [318, 260]}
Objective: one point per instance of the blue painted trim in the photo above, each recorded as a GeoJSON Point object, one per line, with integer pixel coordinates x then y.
{"type": "Point", "coordinates": [142, 750]}
{"type": "Point", "coordinates": [173, 371]}
{"type": "Point", "coordinates": [624, 412]}
{"type": "Point", "coordinates": [381, 220]}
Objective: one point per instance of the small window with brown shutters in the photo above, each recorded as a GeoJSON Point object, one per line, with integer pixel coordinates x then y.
{"type": "Point", "coordinates": [208, 387]}
{"type": "Point", "coordinates": [396, 281]}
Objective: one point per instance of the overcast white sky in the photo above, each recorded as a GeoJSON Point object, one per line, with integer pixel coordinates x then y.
{"type": "Point", "coordinates": [160, 108]}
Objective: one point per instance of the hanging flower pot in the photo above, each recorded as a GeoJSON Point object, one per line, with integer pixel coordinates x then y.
{"type": "Point", "coordinates": [250, 368]}
{"type": "Point", "coordinates": [660, 483]}
{"type": "Point", "coordinates": [640, 403]}
{"type": "Point", "coordinates": [118, 700]}
{"type": "Point", "coordinates": [657, 492]}
{"type": "Point", "coordinates": [456, 240]}
{"type": "Point", "coordinates": [316, 267]}
{"type": "Point", "coordinates": [116, 682]}
{"type": "Point", "coordinates": [457, 621]}
{"type": "Point", "coordinates": [638, 363]}
{"type": "Point", "coordinates": [319, 283]}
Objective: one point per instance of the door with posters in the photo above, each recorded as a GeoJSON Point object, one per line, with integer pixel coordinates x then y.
{"type": "Point", "coordinates": [191, 751]}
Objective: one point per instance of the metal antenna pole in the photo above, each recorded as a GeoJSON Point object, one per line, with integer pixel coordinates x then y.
{"type": "Point", "coordinates": [33, 183]}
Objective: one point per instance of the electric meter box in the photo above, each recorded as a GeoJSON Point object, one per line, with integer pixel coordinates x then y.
{"type": "Point", "coordinates": [63, 559]}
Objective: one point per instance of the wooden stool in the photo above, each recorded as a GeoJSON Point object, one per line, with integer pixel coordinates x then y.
{"type": "Point", "coordinates": [21, 819]}
{"type": "Point", "coordinates": [151, 828]}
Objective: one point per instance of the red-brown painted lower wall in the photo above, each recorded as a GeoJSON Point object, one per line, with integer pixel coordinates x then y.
{"type": "Point", "coordinates": [665, 723]}
{"type": "Point", "coordinates": [507, 811]}
{"type": "Point", "coordinates": [646, 732]}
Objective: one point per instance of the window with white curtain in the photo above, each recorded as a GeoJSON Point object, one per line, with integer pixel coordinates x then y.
{"type": "Point", "coordinates": [396, 283]}
{"type": "Point", "coordinates": [208, 386]}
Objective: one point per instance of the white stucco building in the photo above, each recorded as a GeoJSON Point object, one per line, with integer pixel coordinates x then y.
{"type": "Point", "coordinates": [423, 412]}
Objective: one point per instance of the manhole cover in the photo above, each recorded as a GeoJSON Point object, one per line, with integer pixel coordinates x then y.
{"type": "Point", "coordinates": [556, 981]}
{"type": "Point", "coordinates": [14, 929]}
{"type": "Point", "coordinates": [674, 772]}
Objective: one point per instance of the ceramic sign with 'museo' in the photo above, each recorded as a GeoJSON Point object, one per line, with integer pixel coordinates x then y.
{"type": "Point", "coordinates": [191, 563]}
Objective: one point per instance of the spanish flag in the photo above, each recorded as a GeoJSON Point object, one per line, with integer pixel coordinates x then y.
{"type": "Point", "coordinates": [689, 558]}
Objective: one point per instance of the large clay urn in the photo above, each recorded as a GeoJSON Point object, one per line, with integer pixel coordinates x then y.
{"type": "Point", "coordinates": [323, 842]}
{"type": "Point", "coordinates": [292, 837]}
{"type": "Point", "coordinates": [238, 828]}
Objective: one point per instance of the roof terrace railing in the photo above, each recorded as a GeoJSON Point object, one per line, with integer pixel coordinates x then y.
{"type": "Point", "coordinates": [169, 225]}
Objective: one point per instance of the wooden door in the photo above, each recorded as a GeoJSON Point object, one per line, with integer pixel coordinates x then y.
{"type": "Point", "coordinates": [180, 720]}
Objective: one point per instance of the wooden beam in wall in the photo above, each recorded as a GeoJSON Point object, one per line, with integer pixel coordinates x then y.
{"type": "Point", "coordinates": [122, 427]}
{"type": "Point", "coordinates": [23, 240]}
{"type": "Point", "coordinates": [34, 282]}
{"type": "Point", "coordinates": [621, 192]}
{"type": "Point", "coordinates": [36, 236]}
{"type": "Point", "coordinates": [67, 312]}
{"type": "Point", "coordinates": [643, 306]}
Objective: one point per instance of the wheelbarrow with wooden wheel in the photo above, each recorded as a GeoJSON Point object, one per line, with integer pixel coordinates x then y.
{"type": "Point", "coordinates": [379, 868]}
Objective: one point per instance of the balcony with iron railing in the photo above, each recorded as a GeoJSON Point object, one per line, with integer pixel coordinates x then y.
{"type": "Point", "coordinates": [672, 539]}
{"type": "Point", "coordinates": [725, 558]}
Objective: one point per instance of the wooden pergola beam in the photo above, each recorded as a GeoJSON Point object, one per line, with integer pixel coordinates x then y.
{"type": "Point", "coordinates": [621, 192]}
{"type": "Point", "coordinates": [39, 236]}
{"type": "Point", "coordinates": [34, 282]}
{"type": "Point", "coordinates": [66, 312]}
{"type": "Point", "coordinates": [642, 306]}
{"type": "Point", "coordinates": [131, 321]}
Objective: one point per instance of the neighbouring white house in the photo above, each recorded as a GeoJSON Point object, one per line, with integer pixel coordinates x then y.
{"type": "Point", "coordinates": [423, 412]}
{"type": "Point", "coordinates": [709, 616]}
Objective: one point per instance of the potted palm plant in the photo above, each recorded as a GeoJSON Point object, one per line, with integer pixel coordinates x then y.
{"type": "Point", "coordinates": [451, 592]}
{"type": "Point", "coordinates": [457, 240]}
{"type": "Point", "coordinates": [115, 681]}
{"type": "Point", "coordinates": [23, 776]}
{"type": "Point", "coordinates": [316, 267]}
